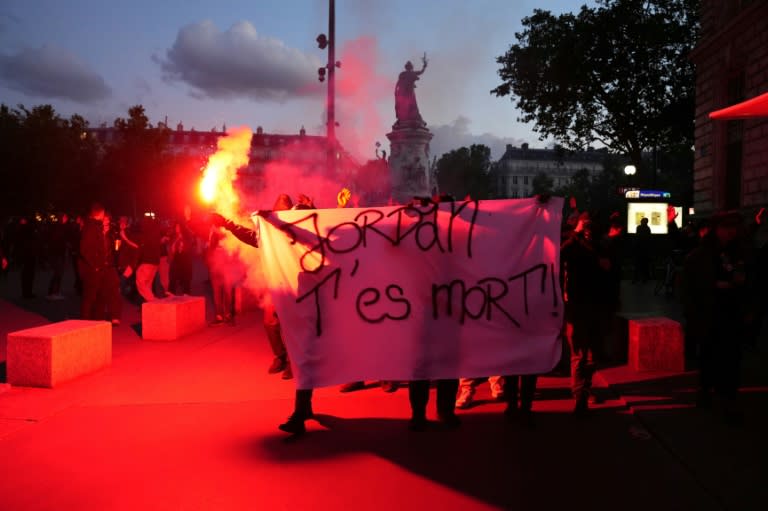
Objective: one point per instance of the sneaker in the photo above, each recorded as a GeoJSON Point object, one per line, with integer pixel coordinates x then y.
{"type": "Point", "coordinates": [287, 373]}
{"type": "Point", "coordinates": [352, 387]}
{"type": "Point", "coordinates": [464, 400]}
{"type": "Point", "coordinates": [294, 425]}
{"type": "Point", "coordinates": [278, 365]}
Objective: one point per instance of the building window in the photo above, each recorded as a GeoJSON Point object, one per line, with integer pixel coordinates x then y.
{"type": "Point", "coordinates": [514, 180]}
{"type": "Point", "coordinates": [525, 180]}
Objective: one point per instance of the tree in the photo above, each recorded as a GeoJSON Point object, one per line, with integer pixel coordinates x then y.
{"type": "Point", "coordinates": [542, 184]}
{"type": "Point", "coordinates": [464, 171]}
{"type": "Point", "coordinates": [48, 160]}
{"type": "Point", "coordinates": [617, 73]}
{"type": "Point", "coordinates": [137, 165]}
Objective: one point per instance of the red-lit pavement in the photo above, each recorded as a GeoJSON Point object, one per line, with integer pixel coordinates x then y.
{"type": "Point", "coordinates": [192, 425]}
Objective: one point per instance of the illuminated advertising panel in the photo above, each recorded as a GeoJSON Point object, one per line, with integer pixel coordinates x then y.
{"type": "Point", "coordinates": [655, 212]}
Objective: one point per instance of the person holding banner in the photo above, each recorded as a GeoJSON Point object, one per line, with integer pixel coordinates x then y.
{"type": "Point", "coordinates": [418, 390]}
{"type": "Point", "coordinates": [271, 322]}
{"type": "Point", "coordinates": [303, 397]}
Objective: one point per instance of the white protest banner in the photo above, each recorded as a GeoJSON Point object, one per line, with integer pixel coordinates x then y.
{"type": "Point", "coordinates": [465, 289]}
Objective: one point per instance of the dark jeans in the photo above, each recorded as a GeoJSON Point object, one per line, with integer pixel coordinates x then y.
{"type": "Point", "coordinates": [522, 387]}
{"type": "Point", "coordinates": [101, 293]}
{"type": "Point", "coordinates": [582, 345]}
{"type": "Point", "coordinates": [302, 404]}
{"type": "Point", "coordinates": [222, 294]}
{"type": "Point", "coordinates": [418, 395]}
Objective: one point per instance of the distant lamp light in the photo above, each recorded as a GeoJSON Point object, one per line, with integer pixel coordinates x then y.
{"type": "Point", "coordinates": [630, 170]}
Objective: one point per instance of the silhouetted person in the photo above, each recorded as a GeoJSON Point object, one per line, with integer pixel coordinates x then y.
{"type": "Point", "coordinates": [26, 248]}
{"type": "Point", "coordinates": [56, 245]}
{"type": "Point", "coordinates": [642, 252]}
{"type": "Point", "coordinates": [418, 390]}
{"type": "Point", "coordinates": [74, 234]}
{"type": "Point", "coordinates": [584, 267]}
{"type": "Point", "coordinates": [717, 298]}
{"type": "Point", "coordinates": [180, 251]}
{"type": "Point", "coordinates": [96, 267]}
{"type": "Point", "coordinates": [149, 257]}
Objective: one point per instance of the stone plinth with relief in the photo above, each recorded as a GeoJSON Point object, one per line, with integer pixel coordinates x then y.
{"type": "Point", "coordinates": [656, 344]}
{"type": "Point", "coordinates": [409, 164]}
{"type": "Point", "coordinates": [171, 318]}
{"type": "Point", "coordinates": [48, 355]}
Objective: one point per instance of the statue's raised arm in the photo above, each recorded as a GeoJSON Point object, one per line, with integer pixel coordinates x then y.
{"type": "Point", "coordinates": [424, 63]}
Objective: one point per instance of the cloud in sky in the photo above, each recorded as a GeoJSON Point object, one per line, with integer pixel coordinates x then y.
{"type": "Point", "coordinates": [239, 62]}
{"type": "Point", "coordinates": [448, 137]}
{"type": "Point", "coordinates": [52, 72]}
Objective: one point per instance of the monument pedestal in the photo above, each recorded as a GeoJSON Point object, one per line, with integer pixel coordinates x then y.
{"type": "Point", "coordinates": [409, 164]}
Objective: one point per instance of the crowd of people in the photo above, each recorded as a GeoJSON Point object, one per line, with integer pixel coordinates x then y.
{"type": "Point", "coordinates": [724, 274]}
{"type": "Point", "coordinates": [111, 259]}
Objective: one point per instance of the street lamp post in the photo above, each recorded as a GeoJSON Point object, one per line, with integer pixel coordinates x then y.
{"type": "Point", "coordinates": [330, 70]}
{"type": "Point", "coordinates": [630, 171]}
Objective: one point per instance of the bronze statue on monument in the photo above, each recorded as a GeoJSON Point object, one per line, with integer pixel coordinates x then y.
{"type": "Point", "coordinates": [409, 139]}
{"type": "Point", "coordinates": [406, 108]}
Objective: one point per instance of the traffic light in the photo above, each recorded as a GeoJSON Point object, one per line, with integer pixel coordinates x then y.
{"type": "Point", "coordinates": [322, 42]}
{"type": "Point", "coordinates": [321, 74]}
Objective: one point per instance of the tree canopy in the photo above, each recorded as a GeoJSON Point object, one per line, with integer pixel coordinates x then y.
{"type": "Point", "coordinates": [56, 164]}
{"type": "Point", "coordinates": [617, 73]}
{"type": "Point", "coordinates": [464, 171]}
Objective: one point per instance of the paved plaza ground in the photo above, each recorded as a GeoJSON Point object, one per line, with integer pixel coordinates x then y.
{"type": "Point", "coordinates": [192, 424]}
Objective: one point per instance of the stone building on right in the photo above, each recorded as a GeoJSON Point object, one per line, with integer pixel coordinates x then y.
{"type": "Point", "coordinates": [731, 59]}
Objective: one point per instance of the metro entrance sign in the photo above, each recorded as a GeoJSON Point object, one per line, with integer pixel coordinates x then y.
{"type": "Point", "coordinates": [646, 194]}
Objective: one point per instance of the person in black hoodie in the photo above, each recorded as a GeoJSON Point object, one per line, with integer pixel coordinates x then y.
{"type": "Point", "coordinates": [96, 268]}
{"type": "Point", "coordinates": [587, 278]}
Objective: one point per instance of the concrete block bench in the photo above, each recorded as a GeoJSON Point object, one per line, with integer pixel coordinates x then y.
{"type": "Point", "coordinates": [656, 344]}
{"type": "Point", "coordinates": [170, 318]}
{"type": "Point", "coordinates": [51, 354]}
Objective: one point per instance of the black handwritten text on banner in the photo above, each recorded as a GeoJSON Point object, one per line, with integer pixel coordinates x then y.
{"type": "Point", "coordinates": [400, 293]}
